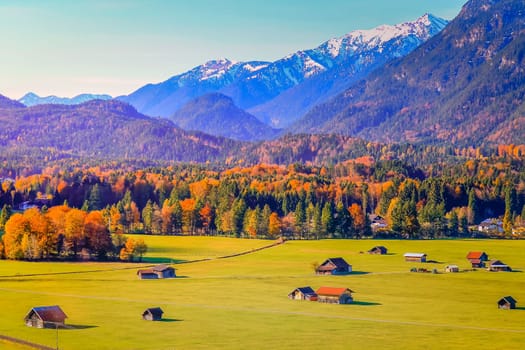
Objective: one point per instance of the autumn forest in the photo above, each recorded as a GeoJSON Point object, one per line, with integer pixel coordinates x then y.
{"type": "Point", "coordinates": [77, 211]}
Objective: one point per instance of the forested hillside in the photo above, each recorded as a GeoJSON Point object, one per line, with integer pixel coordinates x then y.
{"type": "Point", "coordinates": [465, 86]}
{"type": "Point", "coordinates": [100, 130]}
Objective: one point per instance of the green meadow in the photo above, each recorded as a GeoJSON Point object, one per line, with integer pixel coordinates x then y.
{"type": "Point", "coordinates": [241, 302]}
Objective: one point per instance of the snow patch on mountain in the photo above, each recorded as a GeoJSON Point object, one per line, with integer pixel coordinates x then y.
{"type": "Point", "coordinates": [312, 67]}
{"type": "Point", "coordinates": [254, 67]}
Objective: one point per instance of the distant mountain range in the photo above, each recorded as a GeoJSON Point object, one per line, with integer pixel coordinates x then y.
{"type": "Point", "coordinates": [32, 99]}
{"type": "Point", "coordinates": [282, 91]}
{"type": "Point", "coordinates": [465, 86]}
{"type": "Point", "coordinates": [101, 130]}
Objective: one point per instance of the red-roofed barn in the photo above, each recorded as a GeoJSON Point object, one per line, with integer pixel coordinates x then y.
{"type": "Point", "coordinates": [334, 295]}
{"type": "Point", "coordinates": [477, 259]}
{"type": "Point", "coordinates": [45, 317]}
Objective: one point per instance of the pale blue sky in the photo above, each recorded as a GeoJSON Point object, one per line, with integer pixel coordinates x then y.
{"type": "Point", "coordinates": [68, 47]}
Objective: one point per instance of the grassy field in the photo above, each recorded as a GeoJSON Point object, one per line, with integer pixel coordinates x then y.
{"type": "Point", "coordinates": [242, 302]}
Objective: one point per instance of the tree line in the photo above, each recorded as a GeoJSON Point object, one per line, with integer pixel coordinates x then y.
{"type": "Point", "coordinates": [64, 233]}
{"type": "Point", "coordinates": [88, 209]}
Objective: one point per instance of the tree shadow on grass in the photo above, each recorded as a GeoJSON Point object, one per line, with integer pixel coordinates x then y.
{"type": "Point", "coordinates": [365, 303]}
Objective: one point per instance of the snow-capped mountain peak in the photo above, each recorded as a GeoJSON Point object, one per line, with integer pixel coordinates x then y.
{"type": "Point", "coordinates": [423, 28]}
{"type": "Point", "coordinates": [215, 69]}
{"type": "Point", "coordinates": [254, 83]}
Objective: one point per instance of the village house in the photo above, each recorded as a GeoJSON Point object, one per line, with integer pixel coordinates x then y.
{"type": "Point", "coordinates": [152, 314]}
{"type": "Point", "coordinates": [378, 250]}
{"type": "Point", "coordinates": [334, 266]}
{"type": "Point", "coordinates": [156, 272]}
{"type": "Point", "coordinates": [334, 295]}
{"type": "Point", "coordinates": [415, 257]}
{"type": "Point", "coordinates": [452, 268]}
{"type": "Point", "coordinates": [377, 222]}
{"type": "Point", "coordinates": [491, 225]}
{"type": "Point", "coordinates": [507, 303]}
{"type": "Point", "coordinates": [477, 259]}
{"type": "Point", "coordinates": [45, 317]}
{"type": "Point", "coordinates": [498, 265]}
{"type": "Point", "coordinates": [303, 293]}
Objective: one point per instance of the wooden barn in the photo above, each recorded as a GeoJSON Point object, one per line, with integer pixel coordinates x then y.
{"type": "Point", "coordinates": [415, 257]}
{"type": "Point", "coordinates": [303, 293]}
{"type": "Point", "coordinates": [45, 317]}
{"type": "Point", "coordinates": [380, 250]}
{"type": "Point", "coordinates": [333, 295]}
{"type": "Point", "coordinates": [334, 266]}
{"type": "Point", "coordinates": [156, 272]}
{"type": "Point", "coordinates": [477, 259]}
{"type": "Point", "coordinates": [452, 268]}
{"type": "Point", "coordinates": [507, 303]}
{"type": "Point", "coordinates": [498, 265]}
{"type": "Point", "coordinates": [152, 314]}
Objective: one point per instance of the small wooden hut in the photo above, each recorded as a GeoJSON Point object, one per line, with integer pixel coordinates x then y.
{"type": "Point", "coordinates": [156, 272]}
{"type": "Point", "coordinates": [507, 303]}
{"type": "Point", "coordinates": [498, 265]}
{"type": "Point", "coordinates": [333, 295]}
{"type": "Point", "coordinates": [152, 314]}
{"type": "Point", "coordinates": [45, 317]}
{"type": "Point", "coordinates": [415, 257]}
{"type": "Point", "coordinates": [334, 266]}
{"type": "Point", "coordinates": [380, 250]}
{"type": "Point", "coordinates": [303, 293]}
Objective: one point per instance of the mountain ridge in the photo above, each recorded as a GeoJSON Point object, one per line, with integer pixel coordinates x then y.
{"type": "Point", "coordinates": [251, 84]}
{"type": "Point", "coordinates": [103, 130]}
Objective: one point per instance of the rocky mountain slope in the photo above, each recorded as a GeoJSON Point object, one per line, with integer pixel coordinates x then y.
{"type": "Point", "coordinates": [465, 86]}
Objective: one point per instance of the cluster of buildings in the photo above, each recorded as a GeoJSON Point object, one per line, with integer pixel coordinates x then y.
{"type": "Point", "coordinates": [54, 316]}
{"type": "Point", "coordinates": [481, 260]}
{"type": "Point", "coordinates": [343, 295]}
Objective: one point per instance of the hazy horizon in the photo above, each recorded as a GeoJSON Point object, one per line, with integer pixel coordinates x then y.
{"type": "Point", "coordinates": [68, 48]}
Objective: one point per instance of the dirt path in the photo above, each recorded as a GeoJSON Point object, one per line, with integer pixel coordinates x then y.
{"type": "Point", "coordinates": [24, 343]}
